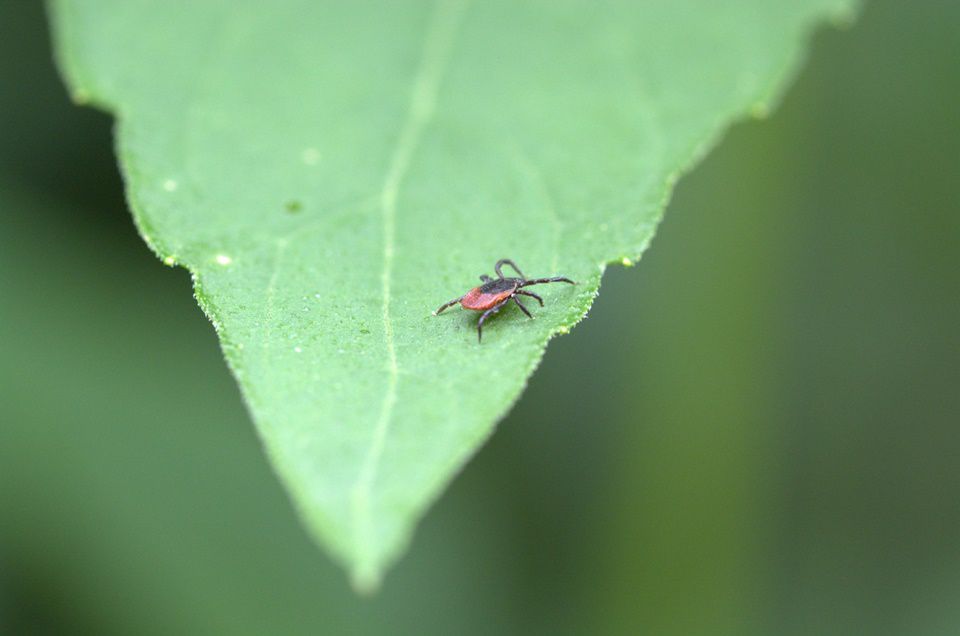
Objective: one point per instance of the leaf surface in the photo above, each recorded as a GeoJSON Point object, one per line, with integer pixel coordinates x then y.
{"type": "Point", "coordinates": [330, 173]}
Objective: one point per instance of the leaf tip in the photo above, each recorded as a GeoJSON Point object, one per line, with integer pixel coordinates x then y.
{"type": "Point", "coordinates": [366, 579]}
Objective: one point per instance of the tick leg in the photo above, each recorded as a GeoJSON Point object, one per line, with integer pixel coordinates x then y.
{"type": "Point", "coordinates": [522, 308]}
{"type": "Point", "coordinates": [445, 305]}
{"type": "Point", "coordinates": [507, 261]}
{"type": "Point", "coordinates": [492, 310]}
{"type": "Point", "coordinates": [531, 295]}
{"type": "Point", "coordinates": [555, 279]}
{"type": "Point", "coordinates": [485, 279]}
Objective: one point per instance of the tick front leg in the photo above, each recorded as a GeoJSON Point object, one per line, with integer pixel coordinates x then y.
{"type": "Point", "coordinates": [531, 295]}
{"type": "Point", "coordinates": [522, 308]}
{"type": "Point", "coordinates": [552, 279]}
{"type": "Point", "coordinates": [507, 261]}
{"type": "Point", "coordinates": [445, 305]}
{"type": "Point", "coordinates": [488, 312]}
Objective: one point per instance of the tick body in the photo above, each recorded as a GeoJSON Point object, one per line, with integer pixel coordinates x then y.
{"type": "Point", "coordinates": [494, 293]}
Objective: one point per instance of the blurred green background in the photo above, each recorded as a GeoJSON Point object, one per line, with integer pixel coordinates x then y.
{"type": "Point", "coordinates": [756, 430]}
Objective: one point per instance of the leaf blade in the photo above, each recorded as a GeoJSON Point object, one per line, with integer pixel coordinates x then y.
{"type": "Point", "coordinates": [330, 174]}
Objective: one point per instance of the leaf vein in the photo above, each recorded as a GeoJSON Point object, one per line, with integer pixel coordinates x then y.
{"type": "Point", "coordinates": [435, 53]}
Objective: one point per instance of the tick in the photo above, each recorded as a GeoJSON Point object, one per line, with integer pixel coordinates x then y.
{"type": "Point", "coordinates": [494, 293]}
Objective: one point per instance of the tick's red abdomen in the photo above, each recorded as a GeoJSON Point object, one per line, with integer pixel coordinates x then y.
{"type": "Point", "coordinates": [480, 301]}
{"type": "Point", "coordinates": [489, 294]}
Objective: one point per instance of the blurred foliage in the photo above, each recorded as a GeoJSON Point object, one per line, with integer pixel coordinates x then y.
{"type": "Point", "coordinates": [755, 431]}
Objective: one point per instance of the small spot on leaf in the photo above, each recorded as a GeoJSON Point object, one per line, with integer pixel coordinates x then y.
{"type": "Point", "coordinates": [310, 156]}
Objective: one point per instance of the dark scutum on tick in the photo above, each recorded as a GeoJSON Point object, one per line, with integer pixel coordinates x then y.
{"type": "Point", "coordinates": [494, 293]}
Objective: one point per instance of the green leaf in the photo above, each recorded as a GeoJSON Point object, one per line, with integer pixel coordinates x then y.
{"type": "Point", "coordinates": [330, 173]}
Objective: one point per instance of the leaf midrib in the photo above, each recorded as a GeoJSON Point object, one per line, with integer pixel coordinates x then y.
{"type": "Point", "coordinates": [438, 42]}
